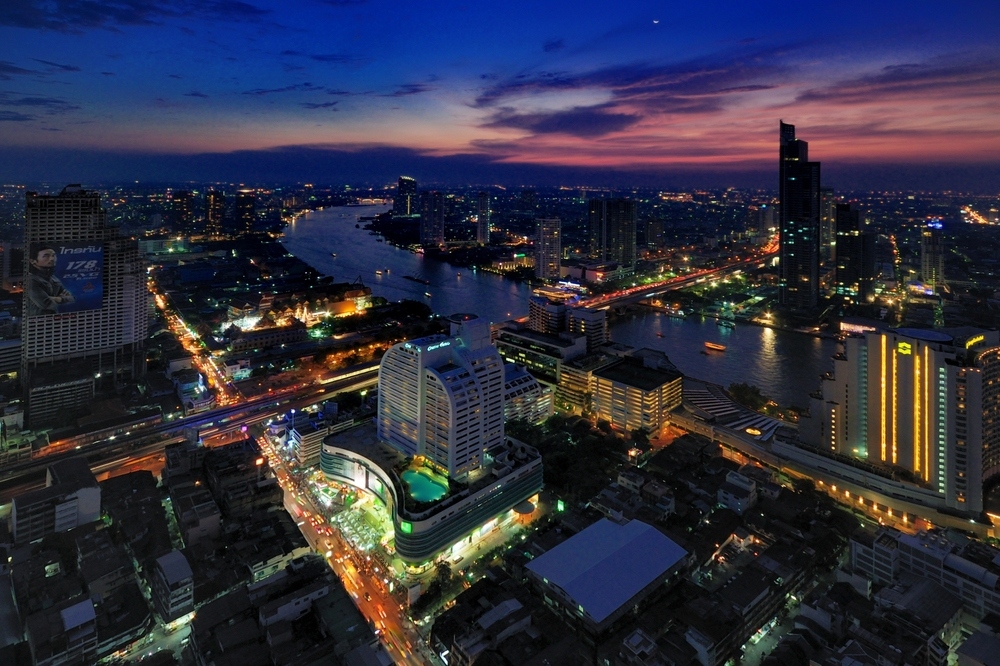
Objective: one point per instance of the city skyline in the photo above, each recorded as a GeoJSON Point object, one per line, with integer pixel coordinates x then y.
{"type": "Point", "coordinates": [246, 91]}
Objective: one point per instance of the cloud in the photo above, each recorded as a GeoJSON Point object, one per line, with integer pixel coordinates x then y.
{"type": "Point", "coordinates": [51, 105]}
{"type": "Point", "coordinates": [175, 76]}
{"type": "Point", "coordinates": [108, 74]}
{"type": "Point", "coordinates": [408, 89]}
{"type": "Point", "coordinates": [939, 78]}
{"type": "Point", "coordinates": [14, 117]}
{"type": "Point", "coordinates": [553, 45]}
{"type": "Point", "coordinates": [306, 87]}
{"type": "Point", "coordinates": [331, 58]}
{"type": "Point", "coordinates": [79, 15]}
{"type": "Point", "coordinates": [319, 105]}
{"type": "Point", "coordinates": [195, 93]}
{"type": "Point", "coordinates": [579, 121]}
{"type": "Point", "coordinates": [57, 66]}
{"type": "Point", "coordinates": [9, 69]}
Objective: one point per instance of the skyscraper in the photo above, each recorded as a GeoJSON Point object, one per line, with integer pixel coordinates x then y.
{"type": "Point", "coordinates": [432, 211]}
{"type": "Point", "coordinates": [827, 224]}
{"type": "Point", "coordinates": [483, 226]}
{"type": "Point", "coordinates": [932, 255]}
{"type": "Point", "coordinates": [215, 212]}
{"type": "Point", "coordinates": [182, 202]}
{"type": "Point", "coordinates": [405, 202]}
{"type": "Point", "coordinates": [245, 212]}
{"type": "Point", "coordinates": [548, 248]}
{"type": "Point", "coordinates": [799, 222]}
{"type": "Point", "coordinates": [441, 397]}
{"type": "Point", "coordinates": [86, 306]}
{"type": "Point", "coordinates": [922, 401]}
{"type": "Point", "coordinates": [612, 224]}
{"type": "Point", "coordinates": [855, 254]}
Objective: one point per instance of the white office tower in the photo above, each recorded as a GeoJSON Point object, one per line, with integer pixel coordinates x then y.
{"type": "Point", "coordinates": [920, 402]}
{"type": "Point", "coordinates": [441, 397]}
{"type": "Point", "coordinates": [86, 306]}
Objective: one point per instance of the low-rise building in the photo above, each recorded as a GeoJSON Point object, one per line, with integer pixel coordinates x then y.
{"type": "Point", "coordinates": [63, 634]}
{"type": "Point", "coordinates": [583, 577]}
{"type": "Point", "coordinates": [71, 498]}
{"type": "Point", "coordinates": [524, 398]}
{"type": "Point", "coordinates": [173, 586]}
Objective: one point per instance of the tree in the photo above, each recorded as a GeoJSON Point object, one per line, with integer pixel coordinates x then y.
{"type": "Point", "coordinates": [442, 573]}
{"type": "Point", "coordinates": [640, 436]}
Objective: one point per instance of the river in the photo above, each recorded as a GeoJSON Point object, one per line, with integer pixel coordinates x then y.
{"type": "Point", "coordinates": [785, 365]}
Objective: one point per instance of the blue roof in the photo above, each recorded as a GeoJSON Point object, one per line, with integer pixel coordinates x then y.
{"type": "Point", "coordinates": [607, 564]}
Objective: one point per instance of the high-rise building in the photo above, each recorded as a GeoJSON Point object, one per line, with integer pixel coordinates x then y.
{"type": "Point", "coordinates": [529, 201]}
{"type": "Point", "coordinates": [215, 212]}
{"type": "Point", "coordinates": [182, 202]}
{"type": "Point", "coordinates": [827, 224]}
{"type": "Point", "coordinates": [591, 323]}
{"type": "Point", "coordinates": [855, 254]}
{"type": "Point", "coordinates": [612, 224]}
{"type": "Point", "coordinates": [245, 212]}
{"type": "Point", "coordinates": [548, 248]}
{"type": "Point", "coordinates": [405, 202]}
{"type": "Point", "coordinates": [441, 397]}
{"type": "Point", "coordinates": [921, 401]}
{"type": "Point", "coordinates": [932, 255]}
{"type": "Point", "coordinates": [799, 222]}
{"type": "Point", "coordinates": [86, 306]}
{"type": "Point", "coordinates": [432, 213]}
{"type": "Point", "coordinates": [483, 224]}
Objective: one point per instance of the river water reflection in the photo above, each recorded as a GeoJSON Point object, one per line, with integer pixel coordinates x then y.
{"type": "Point", "coordinates": [785, 365]}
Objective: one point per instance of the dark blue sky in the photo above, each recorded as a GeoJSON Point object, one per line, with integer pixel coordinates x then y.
{"type": "Point", "coordinates": [94, 90]}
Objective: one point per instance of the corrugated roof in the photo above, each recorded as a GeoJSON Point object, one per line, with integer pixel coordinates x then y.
{"type": "Point", "coordinates": [607, 564]}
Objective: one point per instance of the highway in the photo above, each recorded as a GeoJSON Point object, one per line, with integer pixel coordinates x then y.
{"type": "Point", "coordinates": [639, 292]}
{"type": "Point", "coordinates": [31, 475]}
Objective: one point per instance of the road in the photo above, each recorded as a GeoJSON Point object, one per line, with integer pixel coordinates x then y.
{"type": "Point", "coordinates": [360, 576]}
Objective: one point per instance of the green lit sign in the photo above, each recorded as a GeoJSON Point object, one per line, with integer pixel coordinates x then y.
{"type": "Point", "coordinates": [405, 527]}
{"type": "Point", "coordinates": [560, 505]}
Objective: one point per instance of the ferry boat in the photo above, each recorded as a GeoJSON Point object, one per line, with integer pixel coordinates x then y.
{"type": "Point", "coordinates": [333, 254]}
{"type": "Point", "coordinates": [659, 335]}
{"type": "Point", "coordinates": [427, 294]}
{"type": "Point", "coordinates": [715, 346]}
{"type": "Point", "coordinates": [725, 323]}
{"type": "Point", "coordinates": [378, 271]}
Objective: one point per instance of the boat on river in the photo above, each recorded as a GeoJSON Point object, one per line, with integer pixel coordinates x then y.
{"type": "Point", "coordinates": [725, 323]}
{"type": "Point", "coordinates": [715, 346]}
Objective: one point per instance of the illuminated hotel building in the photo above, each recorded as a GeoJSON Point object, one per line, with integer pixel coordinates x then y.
{"type": "Point", "coordinates": [921, 401]}
{"type": "Point", "coordinates": [548, 249]}
{"type": "Point", "coordinates": [441, 397]}
{"type": "Point", "coordinates": [932, 255]}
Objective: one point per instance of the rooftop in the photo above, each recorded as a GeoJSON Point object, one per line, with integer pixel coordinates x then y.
{"type": "Point", "coordinates": [175, 567]}
{"type": "Point", "coordinates": [636, 374]}
{"type": "Point", "coordinates": [588, 566]}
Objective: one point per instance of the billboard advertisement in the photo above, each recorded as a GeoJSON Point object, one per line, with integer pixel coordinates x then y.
{"type": "Point", "coordinates": [64, 277]}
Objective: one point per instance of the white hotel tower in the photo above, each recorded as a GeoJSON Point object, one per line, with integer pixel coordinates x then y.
{"type": "Point", "coordinates": [441, 397]}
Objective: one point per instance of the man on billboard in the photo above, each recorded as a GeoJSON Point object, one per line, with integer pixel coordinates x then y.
{"type": "Point", "coordinates": [43, 290]}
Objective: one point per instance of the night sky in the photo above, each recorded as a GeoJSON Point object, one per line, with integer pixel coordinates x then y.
{"type": "Point", "coordinates": [268, 90]}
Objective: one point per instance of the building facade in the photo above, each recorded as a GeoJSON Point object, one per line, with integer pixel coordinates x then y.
{"type": "Point", "coordinates": [483, 224]}
{"type": "Point", "coordinates": [405, 202]}
{"type": "Point", "coordinates": [70, 349]}
{"type": "Point", "coordinates": [612, 227]}
{"type": "Point", "coordinates": [442, 397]}
{"type": "Point", "coordinates": [920, 401]}
{"type": "Point", "coordinates": [799, 222]}
{"type": "Point", "coordinates": [215, 212]}
{"type": "Point", "coordinates": [854, 250]}
{"type": "Point", "coordinates": [548, 248]}
{"type": "Point", "coordinates": [432, 218]}
{"type": "Point", "coordinates": [932, 255]}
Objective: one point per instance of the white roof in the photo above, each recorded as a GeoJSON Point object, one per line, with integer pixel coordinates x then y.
{"type": "Point", "coordinates": [607, 564]}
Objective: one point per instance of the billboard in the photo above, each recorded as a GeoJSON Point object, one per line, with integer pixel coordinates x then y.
{"type": "Point", "coordinates": [64, 277]}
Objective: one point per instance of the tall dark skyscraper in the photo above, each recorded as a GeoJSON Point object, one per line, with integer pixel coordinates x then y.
{"type": "Point", "coordinates": [612, 225]}
{"type": "Point", "coordinates": [215, 211]}
{"type": "Point", "coordinates": [405, 202]}
{"type": "Point", "coordinates": [245, 212]}
{"type": "Point", "coordinates": [182, 202]}
{"type": "Point", "coordinates": [483, 227]}
{"type": "Point", "coordinates": [799, 223]}
{"type": "Point", "coordinates": [855, 254]}
{"type": "Point", "coordinates": [432, 210]}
